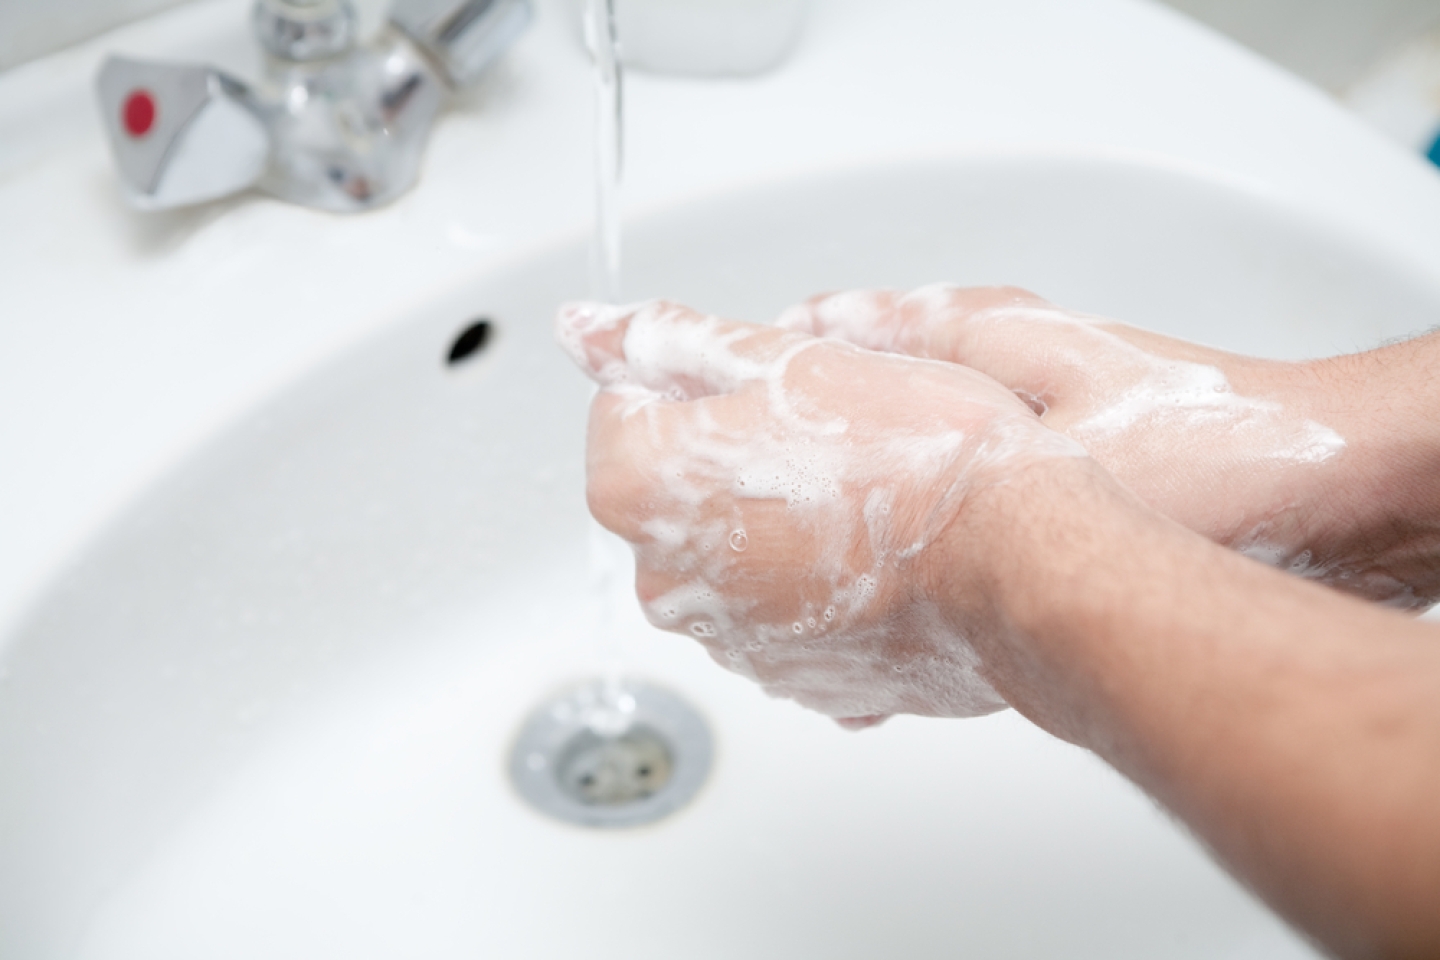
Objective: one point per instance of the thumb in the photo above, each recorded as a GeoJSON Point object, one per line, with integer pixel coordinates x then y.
{"type": "Point", "coordinates": [1007, 333]}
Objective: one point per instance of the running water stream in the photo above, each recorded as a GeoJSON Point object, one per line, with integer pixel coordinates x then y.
{"type": "Point", "coordinates": [614, 706]}
{"type": "Point", "coordinates": [604, 43]}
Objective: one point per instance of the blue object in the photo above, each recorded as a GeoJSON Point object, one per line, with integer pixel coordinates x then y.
{"type": "Point", "coordinates": [1433, 154]}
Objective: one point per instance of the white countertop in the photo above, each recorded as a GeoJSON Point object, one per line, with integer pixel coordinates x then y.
{"type": "Point", "coordinates": [127, 338]}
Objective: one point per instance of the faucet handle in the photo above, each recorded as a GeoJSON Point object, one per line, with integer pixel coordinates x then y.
{"type": "Point", "coordinates": [463, 37]}
{"type": "Point", "coordinates": [181, 134]}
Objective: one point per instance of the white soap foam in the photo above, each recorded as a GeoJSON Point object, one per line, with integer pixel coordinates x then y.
{"type": "Point", "coordinates": [1176, 403]}
{"type": "Point", "coordinates": [1177, 394]}
{"type": "Point", "coordinates": [842, 485]}
{"type": "Point", "coordinates": [1374, 584]}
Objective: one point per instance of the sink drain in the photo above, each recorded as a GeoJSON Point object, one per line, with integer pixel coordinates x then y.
{"type": "Point", "coordinates": [612, 758]}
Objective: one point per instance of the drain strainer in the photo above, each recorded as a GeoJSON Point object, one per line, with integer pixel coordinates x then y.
{"type": "Point", "coordinates": [603, 757]}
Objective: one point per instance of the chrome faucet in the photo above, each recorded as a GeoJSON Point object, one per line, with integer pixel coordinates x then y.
{"type": "Point", "coordinates": [332, 124]}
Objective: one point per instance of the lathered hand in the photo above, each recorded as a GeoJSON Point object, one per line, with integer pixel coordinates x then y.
{"type": "Point", "coordinates": [873, 534]}
{"type": "Point", "coordinates": [1251, 453]}
{"type": "Point", "coordinates": [783, 494]}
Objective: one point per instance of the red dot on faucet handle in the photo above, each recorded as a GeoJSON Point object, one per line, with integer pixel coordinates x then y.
{"type": "Point", "coordinates": [138, 113]}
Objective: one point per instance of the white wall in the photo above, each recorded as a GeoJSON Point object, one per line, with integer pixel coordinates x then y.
{"type": "Point", "coordinates": [1330, 42]}
{"type": "Point", "coordinates": [32, 28]}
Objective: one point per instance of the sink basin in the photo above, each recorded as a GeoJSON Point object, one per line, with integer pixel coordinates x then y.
{"type": "Point", "coordinates": [267, 712]}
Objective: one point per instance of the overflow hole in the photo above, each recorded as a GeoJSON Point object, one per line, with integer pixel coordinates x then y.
{"type": "Point", "coordinates": [471, 341]}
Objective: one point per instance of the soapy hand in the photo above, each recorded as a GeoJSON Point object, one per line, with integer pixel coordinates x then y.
{"type": "Point", "coordinates": [871, 533]}
{"type": "Point", "coordinates": [783, 494]}
{"type": "Point", "coordinates": [1235, 448]}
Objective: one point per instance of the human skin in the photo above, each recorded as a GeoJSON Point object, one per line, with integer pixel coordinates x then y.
{"type": "Point", "coordinates": [1295, 730]}
{"type": "Point", "coordinates": [1360, 512]}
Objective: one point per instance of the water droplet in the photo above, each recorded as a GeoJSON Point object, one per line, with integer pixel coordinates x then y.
{"type": "Point", "coordinates": [739, 540]}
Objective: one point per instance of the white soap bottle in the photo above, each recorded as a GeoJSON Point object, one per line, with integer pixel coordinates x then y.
{"type": "Point", "coordinates": [706, 38]}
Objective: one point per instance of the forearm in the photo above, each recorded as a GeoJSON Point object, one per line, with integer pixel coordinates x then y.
{"type": "Point", "coordinates": [1295, 731]}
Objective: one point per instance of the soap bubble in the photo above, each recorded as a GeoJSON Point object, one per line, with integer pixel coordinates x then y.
{"type": "Point", "coordinates": [739, 540]}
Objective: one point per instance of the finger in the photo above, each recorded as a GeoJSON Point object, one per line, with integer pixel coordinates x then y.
{"type": "Point", "coordinates": [1038, 350]}
{"type": "Point", "coordinates": [866, 318]}
{"type": "Point", "coordinates": [591, 333]}
{"type": "Point", "coordinates": [929, 322]}
{"type": "Point", "coordinates": [642, 462]}
{"type": "Point", "coordinates": [918, 324]}
{"type": "Point", "coordinates": [671, 350]}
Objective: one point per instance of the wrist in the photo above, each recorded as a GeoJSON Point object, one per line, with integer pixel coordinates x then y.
{"type": "Point", "coordinates": [1032, 573]}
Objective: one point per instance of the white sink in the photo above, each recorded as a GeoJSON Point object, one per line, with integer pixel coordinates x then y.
{"type": "Point", "coordinates": [278, 587]}
{"type": "Point", "coordinates": [267, 713]}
